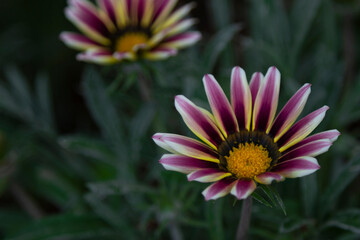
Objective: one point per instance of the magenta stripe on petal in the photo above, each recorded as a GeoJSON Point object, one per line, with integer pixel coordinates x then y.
{"type": "Point", "coordinates": [218, 189]}
{"type": "Point", "coordinates": [243, 188]}
{"type": "Point", "coordinates": [77, 40]}
{"type": "Point", "coordinates": [83, 11]}
{"type": "Point", "coordinates": [141, 9]}
{"type": "Point", "coordinates": [331, 135]}
{"type": "Point", "coordinates": [201, 124]}
{"type": "Point", "coordinates": [311, 149]}
{"type": "Point", "coordinates": [268, 177]}
{"type": "Point", "coordinates": [220, 106]}
{"type": "Point", "coordinates": [266, 101]}
{"type": "Point", "coordinates": [208, 175]}
{"type": "Point", "coordinates": [108, 7]}
{"type": "Point", "coordinates": [302, 129]}
{"type": "Point", "coordinates": [187, 146]}
{"type": "Point", "coordinates": [290, 112]}
{"type": "Point", "coordinates": [241, 98]}
{"type": "Point", "coordinates": [255, 83]}
{"type": "Point", "coordinates": [297, 167]}
{"type": "Point", "coordinates": [184, 164]}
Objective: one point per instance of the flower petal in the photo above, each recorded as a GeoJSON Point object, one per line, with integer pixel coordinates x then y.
{"type": "Point", "coordinates": [208, 175]}
{"type": "Point", "coordinates": [160, 53]}
{"type": "Point", "coordinates": [91, 27]}
{"type": "Point", "coordinates": [121, 13]}
{"type": "Point", "coordinates": [198, 122]}
{"type": "Point", "coordinates": [181, 26]}
{"type": "Point", "coordinates": [181, 40]}
{"type": "Point", "coordinates": [311, 149]}
{"type": "Point", "coordinates": [220, 106]}
{"type": "Point", "coordinates": [290, 112]}
{"type": "Point", "coordinates": [241, 98]}
{"type": "Point", "coordinates": [331, 135]}
{"type": "Point", "coordinates": [301, 129]}
{"type": "Point", "coordinates": [186, 146]}
{"type": "Point", "coordinates": [243, 188]}
{"type": "Point", "coordinates": [162, 10]}
{"type": "Point", "coordinates": [218, 189]}
{"type": "Point", "coordinates": [183, 164]}
{"type": "Point", "coordinates": [174, 17]}
{"type": "Point", "coordinates": [256, 80]}
{"type": "Point", "coordinates": [266, 101]}
{"type": "Point", "coordinates": [108, 6]}
{"type": "Point", "coordinates": [99, 56]}
{"type": "Point", "coordinates": [268, 177]}
{"type": "Point", "coordinates": [78, 41]}
{"type": "Point", "coordinates": [298, 167]}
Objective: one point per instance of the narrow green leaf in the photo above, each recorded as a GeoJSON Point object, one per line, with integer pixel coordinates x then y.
{"type": "Point", "coordinates": [260, 199]}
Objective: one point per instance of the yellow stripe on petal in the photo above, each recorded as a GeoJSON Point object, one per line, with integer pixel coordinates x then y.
{"type": "Point", "coordinates": [148, 13]}
{"type": "Point", "coordinates": [121, 13]}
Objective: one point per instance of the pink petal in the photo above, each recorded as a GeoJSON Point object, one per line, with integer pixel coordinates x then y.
{"type": "Point", "coordinates": [298, 167]}
{"type": "Point", "coordinates": [301, 129]}
{"type": "Point", "coordinates": [256, 80]}
{"type": "Point", "coordinates": [331, 135]}
{"type": "Point", "coordinates": [241, 98]}
{"type": "Point", "coordinates": [198, 122]}
{"type": "Point", "coordinates": [99, 56]}
{"type": "Point", "coordinates": [218, 189]}
{"type": "Point", "coordinates": [181, 40]}
{"type": "Point", "coordinates": [78, 41]}
{"type": "Point", "coordinates": [311, 149]}
{"type": "Point", "coordinates": [266, 101]}
{"type": "Point", "coordinates": [268, 177]}
{"type": "Point", "coordinates": [185, 146]}
{"type": "Point", "coordinates": [160, 53]}
{"type": "Point", "coordinates": [183, 164]}
{"type": "Point", "coordinates": [243, 188]}
{"type": "Point", "coordinates": [290, 112]}
{"type": "Point", "coordinates": [220, 106]}
{"type": "Point", "coordinates": [208, 175]}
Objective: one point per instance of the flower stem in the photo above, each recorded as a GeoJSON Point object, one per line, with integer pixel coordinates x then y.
{"type": "Point", "coordinates": [245, 218]}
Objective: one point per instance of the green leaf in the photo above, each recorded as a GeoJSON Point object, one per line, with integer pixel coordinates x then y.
{"type": "Point", "coordinates": [274, 196]}
{"type": "Point", "coordinates": [261, 200]}
{"type": "Point", "coordinates": [301, 25]}
{"type": "Point", "coordinates": [20, 91]}
{"type": "Point", "coordinates": [103, 111]}
{"type": "Point", "coordinates": [346, 175]}
{"type": "Point", "coordinates": [217, 44]}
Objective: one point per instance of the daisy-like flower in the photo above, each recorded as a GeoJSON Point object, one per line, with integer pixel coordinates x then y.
{"type": "Point", "coordinates": [243, 144]}
{"type": "Point", "coordinates": [118, 30]}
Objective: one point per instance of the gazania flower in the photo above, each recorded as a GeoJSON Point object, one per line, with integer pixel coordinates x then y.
{"type": "Point", "coordinates": [117, 30]}
{"type": "Point", "coordinates": [243, 144]}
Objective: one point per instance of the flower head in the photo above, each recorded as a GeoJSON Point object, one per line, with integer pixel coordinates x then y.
{"type": "Point", "coordinates": [118, 30]}
{"type": "Point", "coordinates": [243, 143]}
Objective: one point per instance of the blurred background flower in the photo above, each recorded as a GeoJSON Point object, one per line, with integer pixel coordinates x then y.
{"type": "Point", "coordinates": [118, 30]}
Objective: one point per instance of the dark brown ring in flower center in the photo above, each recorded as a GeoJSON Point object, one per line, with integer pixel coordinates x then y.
{"type": "Point", "coordinates": [256, 138]}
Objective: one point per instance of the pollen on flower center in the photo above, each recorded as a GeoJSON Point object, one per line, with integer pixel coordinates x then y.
{"type": "Point", "coordinates": [248, 160]}
{"type": "Point", "coordinates": [126, 42]}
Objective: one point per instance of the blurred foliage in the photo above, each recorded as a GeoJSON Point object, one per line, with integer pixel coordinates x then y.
{"type": "Point", "coordinates": [76, 156]}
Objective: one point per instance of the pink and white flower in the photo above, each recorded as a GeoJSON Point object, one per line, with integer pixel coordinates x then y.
{"type": "Point", "coordinates": [243, 142]}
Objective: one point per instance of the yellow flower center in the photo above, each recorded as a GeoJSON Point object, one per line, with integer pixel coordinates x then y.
{"type": "Point", "coordinates": [126, 42]}
{"type": "Point", "coordinates": [248, 160]}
